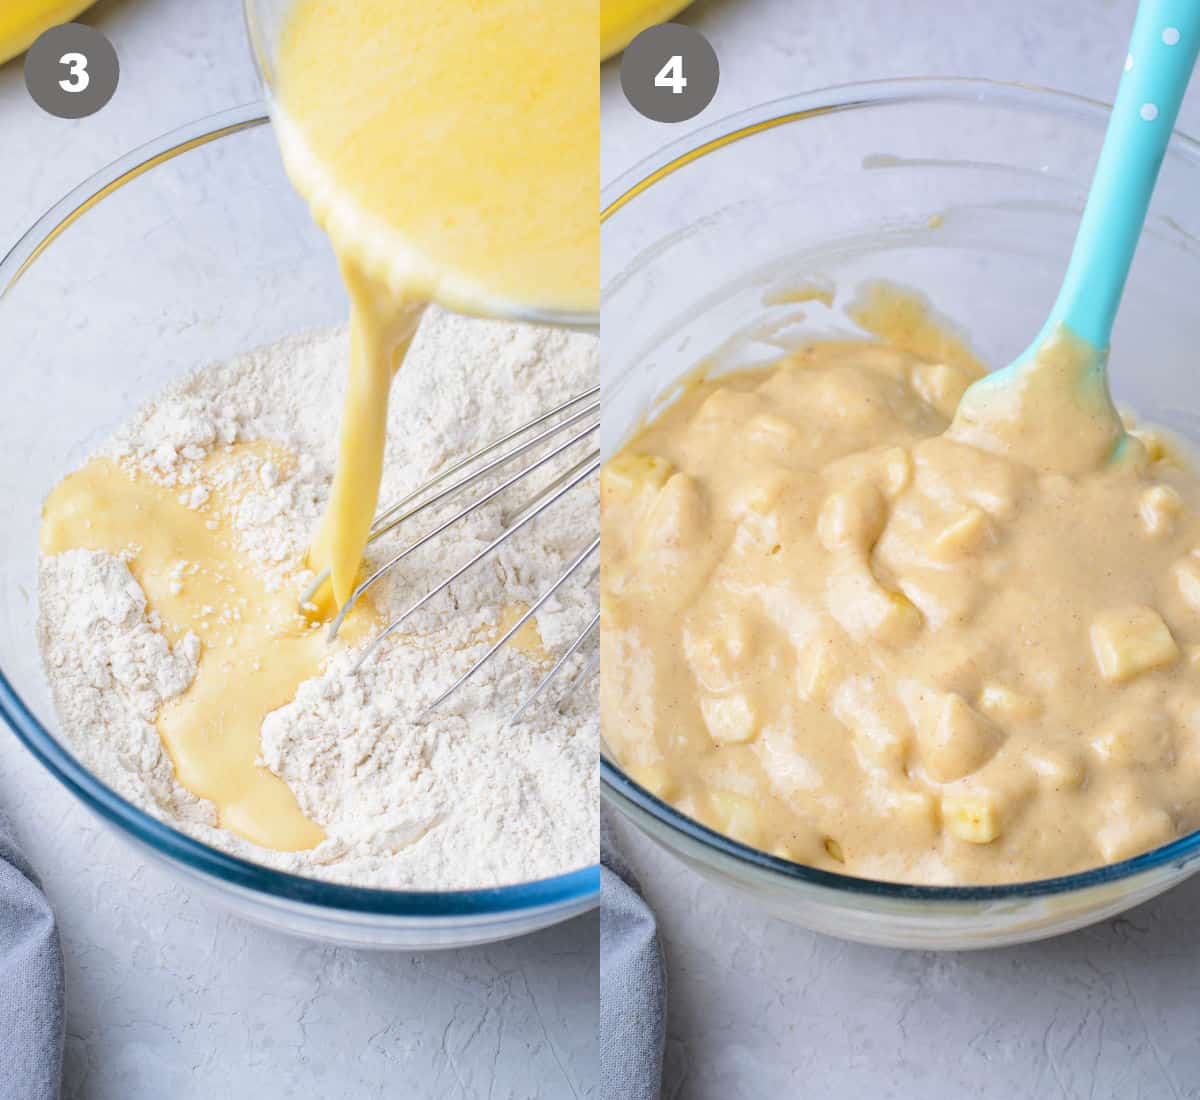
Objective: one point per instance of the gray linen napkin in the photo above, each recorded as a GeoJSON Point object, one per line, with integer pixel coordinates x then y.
{"type": "Point", "coordinates": [31, 981]}
{"type": "Point", "coordinates": [633, 983]}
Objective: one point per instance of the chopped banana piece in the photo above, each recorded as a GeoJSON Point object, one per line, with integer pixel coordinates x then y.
{"type": "Point", "coordinates": [758, 535]}
{"type": "Point", "coordinates": [865, 609]}
{"type": "Point", "coordinates": [677, 518]}
{"type": "Point", "coordinates": [899, 620]}
{"type": "Point", "coordinates": [731, 719]}
{"type": "Point", "coordinates": [956, 739]}
{"type": "Point", "coordinates": [897, 471]}
{"type": "Point", "coordinates": [1131, 827]}
{"type": "Point", "coordinates": [1153, 443]}
{"type": "Point", "coordinates": [1058, 770]}
{"type": "Point", "coordinates": [940, 385]}
{"type": "Point", "coordinates": [971, 817]}
{"type": "Point", "coordinates": [816, 672]}
{"type": "Point", "coordinates": [717, 649]}
{"type": "Point", "coordinates": [916, 812]}
{"type": "Point", "coordinates": [1158, 507]}
{"type": "Point", "coordinates": [625, 476]}
{"type": "Point", "coordinates": [760, 494]}
{"type": "Point", "coordinates": [734, 407]}
{"type": "Point", "coordinates": [852, 517]}
{"type": "Point", "coordinates": [1129, 641]}
{"type": "Point", "coordinates": [967, 534]}
{"type": "Point", "coordinates": [1186, 572]}
{"type": "Point", "coordinates": [890, 468]}
{"type": "Point", "coordinates": [773, 430]}
{"type": "Point", "coordinates": [737, 816]}
{"type": "Point", "coordinates": [1141, 739]}
{"type": "Point", "coordinates": [1003, 705]}
{"type": "Point", "coordinates": [656, 779]}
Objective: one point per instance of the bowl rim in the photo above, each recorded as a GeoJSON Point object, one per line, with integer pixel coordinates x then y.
{"type": "Point", "coordinates": [564, 890]}
{"type": "Point", "coordinates": [620, 789]}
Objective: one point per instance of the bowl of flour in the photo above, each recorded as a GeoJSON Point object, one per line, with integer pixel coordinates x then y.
{"type": "Point", "coordinates": [195, 312]}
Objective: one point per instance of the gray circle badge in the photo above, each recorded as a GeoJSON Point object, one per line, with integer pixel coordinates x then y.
{"type": "Point", "coordinates": [670, 73]}
{"type": "Point", "coordinates": [71, 71]}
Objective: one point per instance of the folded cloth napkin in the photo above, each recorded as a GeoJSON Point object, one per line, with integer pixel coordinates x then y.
{"type": "Point", "coordinates": [31, 981]}
{"type": "Point", "coordinates": [633, 983]}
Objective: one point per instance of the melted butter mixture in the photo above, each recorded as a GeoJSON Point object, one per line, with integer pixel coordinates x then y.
{"type": "Point", "coordinates": [895, 636]}
{"type": "Point", "coordinates": [256, 649]}
{"type": "Point", "coordinates": [450, 156]}
{"type": "Point", "coordinates": [527, 640]}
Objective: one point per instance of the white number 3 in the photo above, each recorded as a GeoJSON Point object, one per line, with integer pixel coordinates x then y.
{"type": "Point", "coordinates": [671, 75]}
{"type": "Point", "coordinates": [77, 66]}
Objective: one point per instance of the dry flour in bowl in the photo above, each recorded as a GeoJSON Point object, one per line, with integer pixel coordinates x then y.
{"type": "Point", "coordinates": [459, 800]}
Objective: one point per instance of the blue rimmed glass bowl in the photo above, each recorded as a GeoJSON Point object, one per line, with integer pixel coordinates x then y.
{"type": "Point", "coordinates": [969, 191]}
{"type": "Point", "coordinates": [187, 251]}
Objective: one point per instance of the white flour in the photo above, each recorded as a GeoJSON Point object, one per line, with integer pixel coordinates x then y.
{"type": "Point", "coordinates": [461, 800]}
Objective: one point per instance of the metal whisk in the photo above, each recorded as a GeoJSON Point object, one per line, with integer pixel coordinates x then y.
{"type": "Point", "coordinates": [543, 436]}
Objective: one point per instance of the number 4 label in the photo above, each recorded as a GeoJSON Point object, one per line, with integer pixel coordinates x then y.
{"type": "Point", "coordinates": [671, 75]}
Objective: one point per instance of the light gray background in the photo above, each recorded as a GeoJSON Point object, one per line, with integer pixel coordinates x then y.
{"type": "Point", "coordinates": [169, 998]}
{"type": "Point", "coordinates": [761, 1009]}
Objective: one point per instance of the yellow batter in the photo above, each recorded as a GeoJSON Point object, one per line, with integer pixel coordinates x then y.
{"type": "Point", "coordinates": [850, 627]}
{"type": "Point", "coordinates": [451, 151]}
{"type": "Point", "coordinates": [255, 647]}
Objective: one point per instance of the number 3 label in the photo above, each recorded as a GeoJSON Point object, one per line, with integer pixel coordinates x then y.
{"type": "Point", "coordinates": [671, 75]}
{"type": "Point", "coordinates": [77, 68]}
{"type": "Point", "coordinates": [71, 70]}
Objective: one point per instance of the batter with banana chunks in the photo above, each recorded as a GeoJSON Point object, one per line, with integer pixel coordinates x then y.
{"type": "Point", "coordinates": [858, 626]}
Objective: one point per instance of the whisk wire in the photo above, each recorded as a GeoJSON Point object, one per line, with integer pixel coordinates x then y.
{"type": "Point", "coordinates": [335, 626]}
{"type": "Point", "coordinates": [550, 676]}
{"type": "Point", "coordinates": [543, 430]}
{"type": "Point", "coordinates": [512, 630]}
{"type": "Point", "coordinates": [388, 520]}
{"type": "Point", "coordinates": [485, 450]}
{"type": "Point", "coordinates": [591, 468]}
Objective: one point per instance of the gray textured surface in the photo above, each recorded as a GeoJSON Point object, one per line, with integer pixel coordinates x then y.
{"type": "Point", "coordinates": [168, 997]}
{"type": "Point", "coordinates": [761, 1009]}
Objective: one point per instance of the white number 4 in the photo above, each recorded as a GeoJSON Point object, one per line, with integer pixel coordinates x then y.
{"type": "Point", "coordinates": [77, 66]}
{"type": "Point", "coordinates": [671, 75]}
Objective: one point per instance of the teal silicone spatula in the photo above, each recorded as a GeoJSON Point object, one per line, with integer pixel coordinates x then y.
{"type": "Point", "coordinates": [1162, 54]}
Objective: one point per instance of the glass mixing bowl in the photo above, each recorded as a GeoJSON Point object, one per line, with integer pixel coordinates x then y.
{"type": "Point", "coordinates": [189, 250]}
{"type": "Point", "coordinates": [970, 192]}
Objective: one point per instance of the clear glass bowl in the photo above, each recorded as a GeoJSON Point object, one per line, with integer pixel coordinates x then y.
{"type": "Point", "coordinates": [968, 191]}
{"type": "Point", "coordinates": [187, 251]}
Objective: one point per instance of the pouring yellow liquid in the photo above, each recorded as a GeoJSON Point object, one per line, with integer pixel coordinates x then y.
{"type": "Point", "coordinates": [451, 152]}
